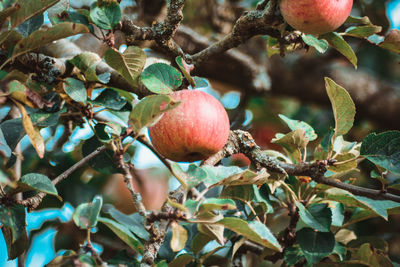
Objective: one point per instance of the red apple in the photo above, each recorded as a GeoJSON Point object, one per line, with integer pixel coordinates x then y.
{"type": "Point", "coordinates": [196, 129]}
{"type": "Point", "coordinates": [315, 16]}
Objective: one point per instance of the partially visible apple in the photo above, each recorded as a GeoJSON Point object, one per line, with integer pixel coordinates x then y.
{"type": "Point", "coordinates": [315, 16]}
{"type": "Point", "coordinates": [196, 129]}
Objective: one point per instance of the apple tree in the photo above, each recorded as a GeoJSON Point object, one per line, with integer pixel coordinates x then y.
{"type": "Point", "coordinates": [305, 172]}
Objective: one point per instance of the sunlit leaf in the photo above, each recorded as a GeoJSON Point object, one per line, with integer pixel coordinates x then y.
{"type": "Point", "coordinates": [161, 78]}
{"type": "Point", "coordinates": [296, 124]}
{"type": "Point", "coordinates": [29, 9]}
{"type": "Point", "coordinates": [337, 42]}
{"type": "Point", "coordinates": [86, 215]}
{"type": "Point", "coordinates": [179, 237]}
{"type": "Point", "coordinates": [343, 107]}
{"type": "Point", "coordinates": [320, 45]}
{"type": "Point", "coordinates": [106, 15]}
{"type": "Point", "coordinates": [75, 89]}
{"type": "Point", "coordinates": [129, 64]}
{"type": "Point", "coordinates": [39, 182]}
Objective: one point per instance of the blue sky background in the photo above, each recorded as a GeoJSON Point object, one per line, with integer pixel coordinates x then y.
{"type": "Point", "coordinates": [42, 250]}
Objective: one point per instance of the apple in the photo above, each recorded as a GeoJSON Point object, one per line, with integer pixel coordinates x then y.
{"type": "Point", "coordinates": [315, 16]}
{"type": "Point", "coordinates": [196, 129]}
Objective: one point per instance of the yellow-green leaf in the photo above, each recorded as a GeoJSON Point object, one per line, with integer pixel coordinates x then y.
{"type": "Point", "coordinates": [179, 237]}
{"type": "Point", "coordinates": [343, 107]}
{"type": "Point", "coordinates": [337, 42]}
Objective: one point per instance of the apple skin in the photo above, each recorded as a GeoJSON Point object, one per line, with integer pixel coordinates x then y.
{"type": "Point", "coordinates": [195, 130]}
{"type": "Point", "coordinates": [315, 16]}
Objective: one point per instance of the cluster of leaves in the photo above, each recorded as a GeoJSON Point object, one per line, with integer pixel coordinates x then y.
{"type": "Point", "coordinates": [357, 27]}
{"type": "Point", "coordinates": [234, 205]}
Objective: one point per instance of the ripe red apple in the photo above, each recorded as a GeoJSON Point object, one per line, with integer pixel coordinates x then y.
{"type": "Point", "coordinates": [196, 129]}
{"type": "Point", "coordinates": [315, 16]}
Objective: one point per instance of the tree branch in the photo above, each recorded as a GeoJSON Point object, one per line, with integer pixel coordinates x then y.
{"type": "Point", "coordinates": [33, 202]}
{"type": "Point", "coordinates": [242, 142]}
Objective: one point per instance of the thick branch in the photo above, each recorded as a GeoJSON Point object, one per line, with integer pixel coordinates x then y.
{"type": "Point", "coordinates": [242, 142]}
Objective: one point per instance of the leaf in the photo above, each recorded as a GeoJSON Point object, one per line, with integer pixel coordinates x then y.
{"type": "Point", "coordinates": [185, 68]}
{"type": "Point", "coordinates": [241, 192]}
{"type": "Point", "coordinates": [5, 150]}
{"type": "Point", "coordinates": [181, 260]}
{"type": "Point", "coordinates": [109, 99]}
{"type": "Point", "coordinates": [33, 133]}
{"type": "Point", "coordinates": [213, 231]}
{"type": "Point", "coordinates": [358, 20]}
{"type": "Point", "coordinates": [149, 110]}
{"type": "Point", "coordinates": [29, 9]}
{"type": "Point", "coordinates": [129, 64]}
{"type": "Point", "coordinates": [86, 215]}
{"type": "Point", "coordinates": [315, 245]}
{"type": "Point", "coordinates": [379, 207]}
{"type": "Point", "coordinates": [292, 143]}
{"type": "Point", "coordinates": [5, 13]}
{"type": "Point", "coordinates": [229, 176]}
{"type": "Point", "coordinates": [41, 37]}
{"type": "Point", "coordinates": [31, 25]}
{"type": "Point", "coordinates": [124, 234]}
{"type": "Point", "coordinates": [345, 162]}
{"type": "Point", "coordinates": [103, 162]}
{"type": "Point", "coordinates": [383, 149]}
{"type": "Point", "coordinates": [210, 204]}
{"type": "Point", "coordinates": [133, 222]}
{"type": "Point", "coordinates": [317, 216]}
{"type": "Point", "coordinates": [87, 62]}
{"type": "Point", "coordinates": [13, 131]}
{"type": "Point", "coordinates": [17, 247]}
{"type": "Point", "coordinates": [337, 214]}
{"type": "Point", "coordinates": [58, 10]}
{"type": "Point", "coordinates": [161, 78]}
{"type": "Point", "coordinates": [39, 182]}
{"type": "Point", "coordinates": [392, 41]}
{"type": "Point", "coordinates": [363, 31]}
{"type": "Point", "coordinates": [337, 42]}
{"type": "Point", "coordinates": [254, 231]}
{"type": "Point", "coordinates": [199, 241]}
{"type": "Point", "coordinates": [179, 237]}
{"type": "Point", "coordinates": [293, 255]}
{"type": "Point", "coordinates": [13, 217]}
{"type": "Point", "coordinates": [361, 214]}
{"type": "Point", "coordinates": [296, 124]}
{"type": "Point", "coordinates": [106, 15]}
{"type": "Point", "coordinates": [320, 45]}
{"type": "Point", "coordinates": [373, 257]}
{"type": "Point", "coordinates": [75, 89]}
{"type": "Point", "coordinates": [343, 107]}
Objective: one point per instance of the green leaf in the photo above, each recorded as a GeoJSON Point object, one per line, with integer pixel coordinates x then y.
{"type": "Point", "coordinates": [210, 204]}
{"type": "Point", "coordinates": [149, 110]}
{"type": "Point", "coordinates": [109, 98]}
{"type": "Point", "coordinates": [31, 25]}
{"type": "Point", "coordinates": [179, 237]}
{"type": "Point", "coordinates": [392, 41]}
{"type": "Point", "coordinates": [358, 20]}
{"type": "Point", "coordinates": [229, 176]}
{"type": "Point", "coordinates": [5, 150]}
{"type": "Point", "coordinates": [199, 241]}
{"type": "Point", "coordinates": [254, 231]}
{"type": "Point", "coordinates": [181, 260]}
{"type": "Point", "coordinates": [41, 37]}
{"type": "Point", "coordinates": [293, 255]}
{"type": "Point", "coordinates": [133, 222]}
{"type": "Point", "coordinates": [296, 124]}
{"type": "Point", "coordinates": [124, 234]}
{"type": "Point", "coordinates": [39, 182]}
{"type": "Point", "coordinates": [373, 257]}
{"type": "Point", "coordinates": [13, 131]}
{"type": "Point", "coordinates": [86, 215]}
{"type": "Point", "coordinates": [17, 247]}
{"type": "Point", "coordinates": [320, 45]}
{"type": "Point", "coordinates": [363, 31]}
{"type": "Point", "coordinates": [129, 64]}
{"type": "Point", "coordinates": [315, 245]}
{"type": "Point", "coordinates": [317, 216]}
{"type": "Point", "coordinates": [29, 9]}
{"type": "Point", "coordinates": [58, 10]}
{"type": "Point", "coordinates": [75, 89]}
{"type": "Point", "coordinates": [337, 214]}
{"type": "Point", "coordinates": [13, 217]}
{"type": "Point", "coordinates": [337, 42]}
{"type": "Point", "coordinates": [379, 207]}
{"type": "Point", "coordinates": [383, 149]}
{"type": "Point", "coordinates": [343, 107]}
{"type": "Point", "coordinates": [362, 214]}
{"type": "Point", "coordinates": [345, 162]}
{"type": "Point", "coordinates": [239, 192]}
{"type": "Point", "coordinates": [87, 62]}
{"type": "Point", "coordinates": [46, 119]}
{"type": "Point", "coordinates": [106, 15]}
{"type": "Point", "coordinates": [161, 78]}
{"type": "Point", "coordinates": [292, 143]}
{"type": "Point", "coordinates": [7, 12]}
